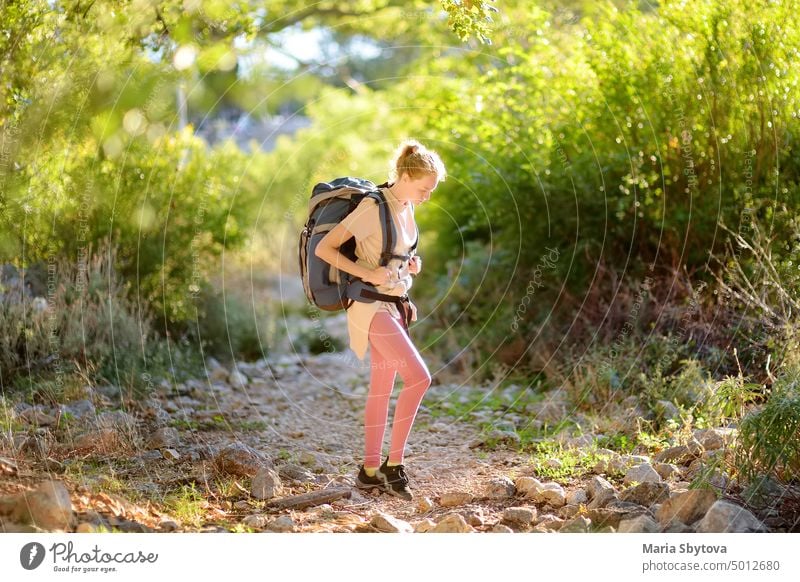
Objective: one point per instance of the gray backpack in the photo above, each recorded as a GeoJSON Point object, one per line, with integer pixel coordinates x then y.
{"type": "Point", "coordinates": [326, 286]}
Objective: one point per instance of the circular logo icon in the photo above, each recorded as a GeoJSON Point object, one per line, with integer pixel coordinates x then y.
{"type": "Point", "coordinates": [31, 555]}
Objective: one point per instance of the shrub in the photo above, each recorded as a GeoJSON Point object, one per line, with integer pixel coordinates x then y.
{"type": "Point", "coordinates": [769, 436]}
{"type": "Point", "coordinates": [85, 322]}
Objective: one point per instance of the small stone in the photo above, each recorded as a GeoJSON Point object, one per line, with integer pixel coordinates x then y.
{"type": "Point", "coordinates": [281, 524]}
{"type": "Point", "coordinates": [577, 496]}
{"type": "Point", "coordinates": [576, 525]}
{"type": "Point", "coordinates": [36, 416]}
{"type": "Point", "coordinates": [168, 525]}
{"type": "Point", "coordinates": [680, 455]}
{"type": "Point", "coordinates": [667, 471]}
{"type": "Point", "coordinates": [715, 438]}
{"type": "Point", "coordinates": [522, 516]}
{"type": "Point", "coordinates": [550, 521]}
{"type": "Point", "coordinates": [646, 494]}
{"type": "Point", "coordinates": [256, 521]}
{"type": "Point", "coordinates": [296, 473]}
{"type": "Point", "coordinates": [454, 498]}
{"type": "Point", "coordinates": [643, 473]}
{"type": "Point", "coordinates": [237, 379]}
{"type": "Point", "coordinates": [526, 485]}
{"type": "Point", "coordinates": [154, 455]}
{"type": "Point", "coordinates": [676, 526]}
{"type": "Point", "coordinates": [598, 485]}
{"type": "Point", "coordinates": [80, 409]}
{"type": "Point", "coordinates": [500, 488]}
{"type": "Point", "coordinates": [726, 517]}
{"type": "Point", "coordinates": [603, 498]}
{"type": "Point", "coordinates": [171, 454]}
{"type": "Point", "coordinates": [48, 506]}
{"type": "Point", "coordinates": [424, 504]}
{"type": "Point", "coordinates": [687, 507]}
{"type": "Point", "coordinates": [501, 528]}
{"type": "Point", "coordinates": [85, 528]}
{"type": "Point", "coordinates": [423, 525]}
{"type": "Point", "coordinates": [568, 511]}
{"type": "Point", "coordinates": [240, 459]}
{"type": "Point", "coordinates": [474, 517]}
{"type": "Point", "coordinates": [166, 437]}
{"type": "Point", "coordinates": [8, 468]}
{"type": "Point", "coordinates": [550, 493]}
{"type": "Point", "coordinates": [266, 484]}
{"type": "Point", "coordinates": [613, 513]}
{"type": "Point", "coordinates": [631, 460]}
{"type": "Point", "coordinates": [386, 523]}
{"type": "Point", "coordinates": [452, 523]}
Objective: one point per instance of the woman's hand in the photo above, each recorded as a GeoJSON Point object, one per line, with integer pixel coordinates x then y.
{"type": "Point", "coordinates": [379, 276]}
{"type": "Point", "coordinates": [415, 265]}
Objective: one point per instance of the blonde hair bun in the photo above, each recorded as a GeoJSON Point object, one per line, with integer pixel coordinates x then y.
{"type": "Point", "coordinates": [414, 159]}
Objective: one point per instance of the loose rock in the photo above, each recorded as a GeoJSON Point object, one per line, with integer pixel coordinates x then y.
{"type": "Point", "coordinates": [550, 493]}
{"type": "Point", "coordinates": [389, 524]}
{"type": "Point", "coordinates": [266, 484]}
{"type": "Point", "coordinates": [48, 506]}
{"type": "Point", "coordinates": [424, 504]}
{"type": "Point", "coordinates": [667, 471]}
{"type": "Point", "coordinates": [576, 525]}
{"type": "Point", "coordinates": [522, 516]}
{"type": "Point", "coordinates": [452, 523]}
{"type": "Point", "coordinates": [646, 493]}
{"type": "Point", "coordinates": [296, 473]}
{"type": "Point", "coordinates": [454, 498]}
{"type": "Point", "coordinates": [500, 488]}
{"type": "Point", "coordinates": [577, 496]}
{"type": "Point", "coordinates": [638, 524]}
{"type": "Point", "coordinates": [256, 521]}
{"type": "Point", "coordinates": [643, 473]}
{"type": "Point", "coordinates": [526, 485]}
{"type": "Point", "coordinates": [726, 517]}
{"type": "Point", "coordinates": [283, 523]}
{"type": "Point", "coordinates": [424, 525]}
{"type": "Point", "coordinates": [687, 507]}
{"type": "Point", "coordinates": [171, 454]}
{"type": "Point", "coordinates": [240, 459]}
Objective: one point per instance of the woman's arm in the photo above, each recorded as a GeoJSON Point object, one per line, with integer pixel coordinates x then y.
{"type": "Point", "coordinates": [328, 250]}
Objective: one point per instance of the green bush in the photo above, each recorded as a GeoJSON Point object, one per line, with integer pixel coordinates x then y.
{"type": "Point", "coordinates": [225, 326]}
{"type": "Point", "coordinates": [769, 436]}
{"type": "Point", "coordinates": [85, 320]}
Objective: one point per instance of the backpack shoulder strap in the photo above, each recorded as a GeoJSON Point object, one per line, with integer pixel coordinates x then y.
{"type": "Point", "coordinates": [388, 226]}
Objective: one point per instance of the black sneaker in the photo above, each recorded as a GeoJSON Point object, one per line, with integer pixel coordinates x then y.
{"type": "Point", "coordinates": [395, 479]}
{"type": "Point", "coordinates": [364, 481]}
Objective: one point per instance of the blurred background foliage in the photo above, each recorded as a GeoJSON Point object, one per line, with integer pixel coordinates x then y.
{"type": "Point", "coordinates": [590, 147]}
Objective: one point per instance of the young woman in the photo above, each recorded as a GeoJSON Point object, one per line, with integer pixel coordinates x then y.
{"type": "Point", "coordinates": [415, 172]}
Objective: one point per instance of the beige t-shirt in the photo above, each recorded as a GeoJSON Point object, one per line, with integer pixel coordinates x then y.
{"type": "Point", "coordinates": [364, 223]}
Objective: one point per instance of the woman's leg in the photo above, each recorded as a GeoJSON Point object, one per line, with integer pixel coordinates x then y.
{"type": "Point", "coordinates": [396, 352]}
{"type": "Point", "coordinates": [376, 410]}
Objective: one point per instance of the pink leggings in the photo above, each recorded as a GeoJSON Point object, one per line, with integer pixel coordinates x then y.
{"type": "Point", "coordinates": [391, 351]}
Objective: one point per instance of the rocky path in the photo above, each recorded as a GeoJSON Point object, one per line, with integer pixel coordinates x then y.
{"type": "Point", "coordinates": [275, 446]}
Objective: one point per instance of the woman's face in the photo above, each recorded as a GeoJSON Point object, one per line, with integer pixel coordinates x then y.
{"type": "Point", "coordinates": [415, 190]}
